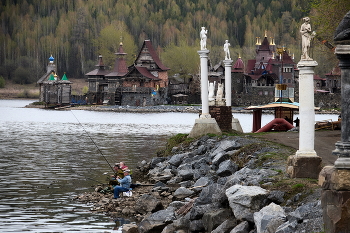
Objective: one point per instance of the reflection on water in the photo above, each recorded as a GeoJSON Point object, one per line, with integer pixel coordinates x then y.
{"type": "Point", "coordinates": [48, 157]}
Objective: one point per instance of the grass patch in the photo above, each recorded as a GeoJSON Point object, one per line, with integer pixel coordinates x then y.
{"type": "Point", "coordinates": [177, 140]}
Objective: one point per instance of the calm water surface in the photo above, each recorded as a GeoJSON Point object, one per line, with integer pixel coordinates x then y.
{"type": "Point", "coordinates": [48, 157]}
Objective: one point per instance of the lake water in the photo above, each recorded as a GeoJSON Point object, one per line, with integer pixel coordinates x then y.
{"type": "Point", "coordinates": [48, 157]}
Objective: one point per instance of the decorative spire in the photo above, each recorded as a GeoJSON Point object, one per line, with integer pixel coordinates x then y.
{"type": "Point", "coordinates": [51, 59]}
{"type": "Point", "coordinates": [64, 77]}
{"type": "Point", "coordinates": [265, 33]}
{"type": "Point", "coordinates": [52, 77]}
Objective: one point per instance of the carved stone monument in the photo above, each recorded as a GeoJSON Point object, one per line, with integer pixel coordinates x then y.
{"type": "Point", "coordinates": [205, 124]}
{"type": "Point", "coordinates": [305, 163]}
{"type": "Point", "coordinates": [335, 180]}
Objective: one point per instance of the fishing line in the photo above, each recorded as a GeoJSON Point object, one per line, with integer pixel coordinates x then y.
{"type": "Point", "coordinates": [93, 141]}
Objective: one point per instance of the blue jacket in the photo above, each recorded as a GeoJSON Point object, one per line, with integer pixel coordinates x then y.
{"type": "Point", "coordinates": [125, 182]}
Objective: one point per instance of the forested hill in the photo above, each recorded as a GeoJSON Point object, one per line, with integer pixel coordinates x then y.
{"type": "Point", "coordinates": [75, 32]}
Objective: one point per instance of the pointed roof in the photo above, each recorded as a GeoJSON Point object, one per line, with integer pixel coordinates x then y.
{"type": "Point", "coordinates": [335, 72]}
{"type": "Point", "coordinates": [265, 45]}
{"type": "Point", "coordinates": [100, 71]}
{"type": "Point", "coordinates": [238, 67]}
{"type": "Point", "coordinates": [120, 68]}
{"type": "Point", "coordinates": [147, 48]}
{"type": "Point", "coordinates": [52, 77]}
{"type": "Point", "coordinates": [64, 77]}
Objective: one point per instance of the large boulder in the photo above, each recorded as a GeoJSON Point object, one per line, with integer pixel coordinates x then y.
{"type": "Point", "coordinates": [213, 193]}
{"type": "Point", "coordinates": [243, 227]}
{"type": "Point", "coordinates": [182, 192]}
{"type": "Point", "coordinates": [226, 145]}
{"type": "Point", "coordinates": [227, 168]}
{"type": "Point", "coordinates": [226, 226]}
{"type": "Point", "coordinates": [245, 200]}
{"type": "Point", "coordinates": [157, 221]}
{"type": "Point", "coordinates": [214, 218]}
{"type": "Point", "coordinates": [197, 211]}
{"type": "Point", "coordinates": [269, 218]}
{"type": "Point", "coordinates": [177, 159]}
{"type": "Point", "coordinates": [147, 203]}
{"type": "Point", "coordinates": [253, 177]}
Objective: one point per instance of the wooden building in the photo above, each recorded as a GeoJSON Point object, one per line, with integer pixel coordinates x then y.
{"type": "Point", "coordinates": [143, 83]}
{"type": "Point", "coordinates": [53, 90]}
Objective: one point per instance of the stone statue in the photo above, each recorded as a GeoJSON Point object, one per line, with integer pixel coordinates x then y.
{"type": "Point", "coordinates": [342, 32]}
{"type": "Point", "coordinates": [211, 91]}
{"type": "Point", "coordinates": [306, 36]}
{"type": "Point", "coordinates": [203, 36]}
{"type": "Point", "coordinates": [227, 50]}
{"type": "Point", "coordinates": [220, 92]}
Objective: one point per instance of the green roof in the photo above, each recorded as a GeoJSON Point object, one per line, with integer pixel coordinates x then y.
{"type": "Point", "coordinates": [52, 78]}
{"type": "Point", "coordinates": [64, 77]}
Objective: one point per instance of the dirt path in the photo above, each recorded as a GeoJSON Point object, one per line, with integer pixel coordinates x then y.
{"type": "Point", "coordinates": [324, 142]}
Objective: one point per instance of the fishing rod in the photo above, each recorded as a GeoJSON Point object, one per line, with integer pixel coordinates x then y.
{"type": "Point", "coordinates": [93, 141]}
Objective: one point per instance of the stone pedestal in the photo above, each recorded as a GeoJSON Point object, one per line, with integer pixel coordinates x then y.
{"type": "Point", "coordinates": [335, 199]}
{"type": "Point", "coordinates": [305, 163]}
{"type": "Point", "coordinates": [228, 65]}
{"type": "Point", "coordinates": [304, 166]}
{"type": "Point", "coordinates": [236, 125]}
{"type": "Point", "coordinates": [203, 126]}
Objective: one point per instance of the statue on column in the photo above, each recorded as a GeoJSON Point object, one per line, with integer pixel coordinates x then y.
{"type": "Point", "coordinates": [203, 36]}
{"type": "Point", "coordinates": [227, 50]}
{"type": "Point", "coordinates": [306, 36]}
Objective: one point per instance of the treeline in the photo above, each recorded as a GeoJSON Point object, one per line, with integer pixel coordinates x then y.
{"type": "Point", "coordinates": [76, 32]}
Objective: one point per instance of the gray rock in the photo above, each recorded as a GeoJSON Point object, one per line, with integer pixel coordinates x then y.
{"type": "Point", "coordinates": [185, 174]}
{"type": "Point", "coordinates": [226, 226]}
{"type": "Point", "coordinates": [226, 145]}
{"type": "Point", "coordinates": [157, 221]}
{"type": "Point", "coordinates": [148, 203]}
{"type": "Point", "coordinates": [276, 196]}
{"type": "Point", "coordinates": [196, 226]}
{"type": "Point", "coordinates": [252, 177]}
{"type": "Point", "coordinates": [287, 227]}
{"type": "Point", "coordinates": [177, 159]}
{"type": "Point", "coordinates": [182, 192]}
{"type": "Point", "coordinates": [269, 218]}
{"type": "Point", "coordinates": [156, 160]}
{"type": "Point", "coordinates": [227, 168]}
{"type": "Point", "coordinates": [213, 193]}
{"type": "Point", "coordinates": [219, 158]}
{"type": "Point", "coordinates": [213, 219]}
{"type": "Point", "coordinates": [197, 211]}
{"type": "Point", "coordinates": [243, 227]}
{"type": "Point", "coordinates": [245, 200]}
{"type": "Point", "coordinates": [202, 181]}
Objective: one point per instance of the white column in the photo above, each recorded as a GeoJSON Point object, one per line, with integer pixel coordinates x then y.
{"type": "Point", "coordinates": [203, 54]}
{"type": "Point", "coordinates": [228, 65]}
{"type": "Point", "coordinates": [306, 108]}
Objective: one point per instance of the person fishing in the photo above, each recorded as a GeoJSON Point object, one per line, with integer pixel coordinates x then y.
{"type": "Point", "coordinates": [124, 184]}
{"type": "Point", "coordinates": [119, 169]}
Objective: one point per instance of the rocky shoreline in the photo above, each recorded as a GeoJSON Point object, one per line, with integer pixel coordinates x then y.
{"type": "Point", "coordinates": [162, 108]}
{"type": "Point", "coordinates": [231, 183]}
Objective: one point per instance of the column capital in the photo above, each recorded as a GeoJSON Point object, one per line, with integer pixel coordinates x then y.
{"type": "Point", "coordinates": [305, 64]}
{"type": "Point", "coordinates": [203, 53]}
{"type": "Point", "coordinates": [227, 62]}
{"type": "Point", "coordinates": [343, 54]}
